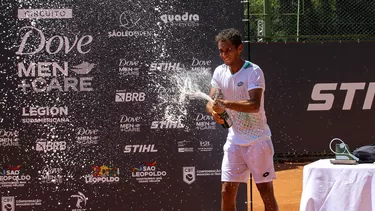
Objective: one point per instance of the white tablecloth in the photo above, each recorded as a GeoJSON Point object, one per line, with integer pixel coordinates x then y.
{"type": "Point", "coordinates": [329, 187]}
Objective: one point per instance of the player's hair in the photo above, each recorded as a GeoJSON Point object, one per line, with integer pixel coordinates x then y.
{"type": "Point", "coordinates": [230, 34]}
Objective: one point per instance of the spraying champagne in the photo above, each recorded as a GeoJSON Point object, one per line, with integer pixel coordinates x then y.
{"type": "Point", "coordinates": [223, 115]}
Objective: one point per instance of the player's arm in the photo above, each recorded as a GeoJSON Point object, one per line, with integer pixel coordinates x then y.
{"type": "Point", "coordinates": [209, 105]}
{"type": "Point", "coordinates": [251, 105]}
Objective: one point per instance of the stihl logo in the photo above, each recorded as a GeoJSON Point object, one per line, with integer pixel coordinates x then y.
{"type": "Point", "coordinates": [327, 98]}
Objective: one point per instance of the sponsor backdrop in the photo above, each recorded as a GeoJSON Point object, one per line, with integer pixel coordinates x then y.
{"type": "Point", "coordinates": [316, 92]}
{"type": "Point", "coordinates": [94, 110]}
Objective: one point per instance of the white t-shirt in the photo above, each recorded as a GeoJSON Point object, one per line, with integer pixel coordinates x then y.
{"type": "Point", "coordinates": [247, 127]}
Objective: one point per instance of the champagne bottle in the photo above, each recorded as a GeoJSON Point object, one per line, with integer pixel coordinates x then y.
{"type": "Point", "coordinates": [223, 115]}
{"type": "Point", "coordinates": [227, 121]}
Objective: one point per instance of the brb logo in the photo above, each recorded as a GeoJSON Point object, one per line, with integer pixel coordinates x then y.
{"type": "Point", "coordinates": [47, 146]}
{"type": "Point", "coordinates": [324, 92]}
{"type": "Point", "coordinates": [124, 96]}
{"type": "Point", "coordinates": [47, 76]}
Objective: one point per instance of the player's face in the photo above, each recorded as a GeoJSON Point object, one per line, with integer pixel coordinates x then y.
{"type": "Point", "coordinates": [228, 52]}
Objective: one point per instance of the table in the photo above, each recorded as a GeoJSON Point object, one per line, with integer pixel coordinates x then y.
{"type": "Point", "coordinates": [329, 187]}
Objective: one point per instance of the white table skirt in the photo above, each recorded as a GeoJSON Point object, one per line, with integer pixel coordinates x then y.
{"type": "Point", "coordinates": [329, 187]}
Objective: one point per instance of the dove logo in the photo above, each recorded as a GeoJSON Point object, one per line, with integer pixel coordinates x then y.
{"type": "Point", "coordinates": [205, 122]}
{"type": "Point", "coordinates": [86, 136]}
{"type": "Point", "coordinates": [83, 68]}
{"type": "Point", "coordinates": [9, 138]}
{"type": "Point", "coordinates": [130, 124]}
{"type": "Point", "coordinates": [129, 19]}
{"type": "Point", "coordinates": [46, 78]}
{"type": "Point", "coordinates": [201, 65]}
{"type": "Point", "coordinates": [53, 45]}
{"type": "Point", "coordinates": [128, 68]}
{"type": "Point", "coordinates": [130, 127]}
{"type": "Point", "coordinates": [51, 175]}
{"type": "Point", "coordinates": [48, 69]}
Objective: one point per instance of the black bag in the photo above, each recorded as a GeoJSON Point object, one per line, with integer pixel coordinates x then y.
{"type": "Point", "coordinates": [366, 154]}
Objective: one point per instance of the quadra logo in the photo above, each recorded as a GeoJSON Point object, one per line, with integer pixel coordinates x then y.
{"type": "Point", "coordinates": [188, 174]}
{"type": "Point", "coordinates": [44, 13]}
{"type": "Point", "coordinates": [350, 88]}
{"type": "Point", "coordinates": [182, 20]}
{"type": "Point", "coordinates": [8, 203]}
{"type": "Point", "coordinates": [140, 148]}
{"type": "Point", "coordinates": [122, 96]}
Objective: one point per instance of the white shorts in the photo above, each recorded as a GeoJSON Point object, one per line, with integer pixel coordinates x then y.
{"type": "Point", "coordinates": [240, 161]}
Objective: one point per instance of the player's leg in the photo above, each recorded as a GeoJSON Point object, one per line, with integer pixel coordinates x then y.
{"type": "Point", "coordinates": [259, 158]}
{"type": "Point", "coordinates": [228, 196]}
{"type": "Point", "coordinates": [233, 171]}
{"type": "Point", "coordinates": [266, 192]}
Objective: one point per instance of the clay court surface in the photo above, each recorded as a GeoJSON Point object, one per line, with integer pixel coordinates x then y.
{"type": "Point", "coordinates": [288, 187]}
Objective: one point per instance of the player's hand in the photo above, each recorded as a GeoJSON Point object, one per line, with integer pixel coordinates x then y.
{"type": "Point", "coordinates": [217, 118]}
{"type": "Point", "coordinates": [218, 106]}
